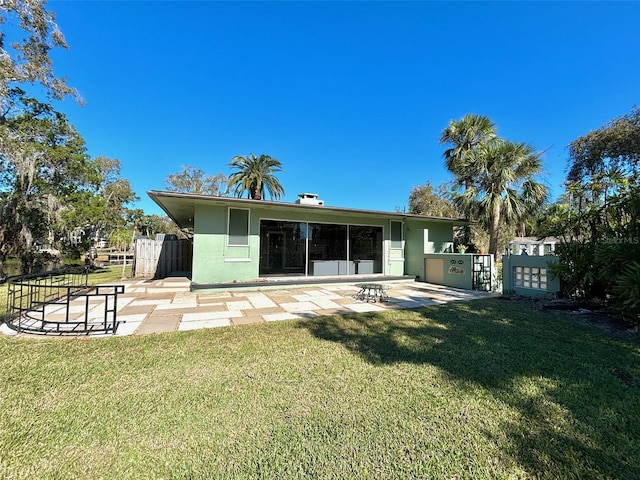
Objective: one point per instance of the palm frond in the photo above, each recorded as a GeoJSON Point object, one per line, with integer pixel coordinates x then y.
{"type": "Point", "coordinates": [255, 175]}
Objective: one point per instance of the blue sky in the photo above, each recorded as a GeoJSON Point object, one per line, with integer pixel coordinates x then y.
{"type": "Point", "coordinates": [351, 97]}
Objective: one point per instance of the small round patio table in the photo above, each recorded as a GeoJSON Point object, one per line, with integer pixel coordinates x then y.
{"type": "Point", "coordinates": [372, 292]}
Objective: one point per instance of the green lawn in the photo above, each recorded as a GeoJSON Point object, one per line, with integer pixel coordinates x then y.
{"type": "Point", "coordinates": [485, 389]}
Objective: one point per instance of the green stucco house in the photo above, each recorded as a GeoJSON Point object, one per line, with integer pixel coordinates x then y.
{"type": "Point", "coordinates": [242, 240]}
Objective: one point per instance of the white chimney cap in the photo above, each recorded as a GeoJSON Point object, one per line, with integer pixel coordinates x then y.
{"type": "Point", "coordinates": [309, 199]}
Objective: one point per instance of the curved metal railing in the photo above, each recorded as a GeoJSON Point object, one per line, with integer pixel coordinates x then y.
{"type": "Point", "coordinates": [60, 302]}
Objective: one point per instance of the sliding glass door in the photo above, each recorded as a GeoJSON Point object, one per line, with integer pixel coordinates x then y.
{"type": "Point", "coordinates": [319, 249]}
{"type": "Point", "coordinates": [282, 248]}
{"type": "Point", "coordinates": [365, 250]}
{"type": "Point", "coordinates": [328, 249]}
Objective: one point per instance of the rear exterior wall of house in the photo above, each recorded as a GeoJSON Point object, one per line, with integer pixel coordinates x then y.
{"type": "Point", "coordinates": [224, 252]}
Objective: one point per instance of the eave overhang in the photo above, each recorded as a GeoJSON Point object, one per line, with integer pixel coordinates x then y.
{"type": "Point", "coordinates": [180, 207]}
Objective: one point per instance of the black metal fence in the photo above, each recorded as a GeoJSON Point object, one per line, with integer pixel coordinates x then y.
{"type": "Point", "coordinates": [60, 302]}
{"type": "Point", "coordinates": [482, 272]}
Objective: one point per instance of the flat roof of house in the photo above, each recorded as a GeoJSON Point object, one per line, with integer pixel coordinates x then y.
{"type": "Point", "coordinates": [180, 207]}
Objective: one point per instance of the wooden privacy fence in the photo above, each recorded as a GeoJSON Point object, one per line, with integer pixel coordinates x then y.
{"type": "Point", "coordinates": [161, 258]}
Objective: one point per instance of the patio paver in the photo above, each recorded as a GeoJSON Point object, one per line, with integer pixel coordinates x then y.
{"type": "Point", "coordinates": [159, 324]}
{"type": "Point", "coordinates": [162, 306]}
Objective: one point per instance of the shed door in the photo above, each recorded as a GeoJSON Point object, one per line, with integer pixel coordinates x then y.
{"type": "Point", "coordinates": [434, 270]}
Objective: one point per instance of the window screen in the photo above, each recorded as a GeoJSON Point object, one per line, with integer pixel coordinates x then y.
{"type": "Point", "coordinates": [238, 226]}
{"type": "Point", "coordinates": [396, 234]}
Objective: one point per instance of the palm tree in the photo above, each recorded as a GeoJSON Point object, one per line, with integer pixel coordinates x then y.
{"type": "Point", "coordinates": [465, 135]}
{"type": "Point", "coordinates": [504, 189]}
{"type": "Point", "coordinates": [255, 175]}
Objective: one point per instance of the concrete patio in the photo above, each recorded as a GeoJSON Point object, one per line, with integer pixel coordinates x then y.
{"type": "Point", "coordinates": [156, 306]}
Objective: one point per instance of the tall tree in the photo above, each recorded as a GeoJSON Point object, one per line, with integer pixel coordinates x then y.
{"type": "Point", "coordinates": [43, 162]}
{"type": "Point", "coordinates": [115, 192]}
{"type": "Point", "coordinates": [101, 209]}
{"type": "Point", "coordinates": [465, 136]}
{"type": "Point", "coordinates": [598, 218]}
{"type": "Point", "coordinates": [25, 59]}
{"type": "Point", "coordinates": [25, 202]}
{"type": "Point", "coordinates": [503, 188]}
{"type": "Point", "coordinates": [195, 180]}
{"type": "Point", "coordinates": [425, 200]}
{"type": "Point", "coordinates": [612, 147]}
{"type": "Point", "coordinates": [255, 175]}
{"type": "Point", "coordinates": [161, 224]}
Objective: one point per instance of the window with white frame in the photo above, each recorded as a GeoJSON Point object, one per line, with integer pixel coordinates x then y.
{"type": "Point", "coordinates": [530, 277]}
{"type": "Point", "coordinates": [238, 227]}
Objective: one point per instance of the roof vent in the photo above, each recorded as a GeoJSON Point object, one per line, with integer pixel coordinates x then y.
{"type": "Point", "coordinates": [309, 199]}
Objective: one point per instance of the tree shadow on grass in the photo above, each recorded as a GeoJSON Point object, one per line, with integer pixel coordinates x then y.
{"type": "Point", "coordinates": [578, 375]}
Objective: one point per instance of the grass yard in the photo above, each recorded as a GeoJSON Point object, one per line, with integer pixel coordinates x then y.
{"type": "Point", "coordinates": [485, 389]}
